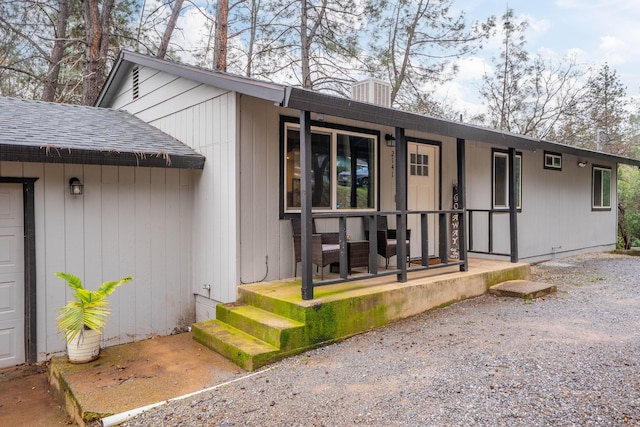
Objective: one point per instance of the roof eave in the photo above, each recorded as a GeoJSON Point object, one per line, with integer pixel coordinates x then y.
{"type": "Point", "coordinates": [306, 100]}
{"type": "Point", "coordinates": [264, 90]}
{"type": "Point", "coordinates": [48, 154]}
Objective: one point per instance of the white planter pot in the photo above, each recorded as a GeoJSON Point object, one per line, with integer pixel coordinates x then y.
{"type": "Point", "coordinates": [85, 347]}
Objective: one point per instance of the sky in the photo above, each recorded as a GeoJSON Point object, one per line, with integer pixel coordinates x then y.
{"type": "Point", "coordinates": [595, 31]}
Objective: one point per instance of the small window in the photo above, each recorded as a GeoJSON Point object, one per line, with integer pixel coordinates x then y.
{"type": "Point", "coordinates": [552, 160]}
{"type": "Point", "coordinates": [419, 164]}
{"type": "Point", "coordinates": [601, 188]}
{"type": "Point", "coordinates": [501, 180]}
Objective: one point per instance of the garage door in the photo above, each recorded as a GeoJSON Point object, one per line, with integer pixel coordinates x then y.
{"type": "Point", "coordinates": [12, 348]}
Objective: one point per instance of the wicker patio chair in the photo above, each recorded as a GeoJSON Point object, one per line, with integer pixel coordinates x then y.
{"type": "Point", "coordinates": [325, 247]}
{"type": "Point", "coordinates": [387, 242]}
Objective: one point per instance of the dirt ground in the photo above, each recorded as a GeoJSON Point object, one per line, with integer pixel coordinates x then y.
{"type": "Point", "coordinates": [124, 377]}
{"type": "Point", "coordinates": [26, 400]}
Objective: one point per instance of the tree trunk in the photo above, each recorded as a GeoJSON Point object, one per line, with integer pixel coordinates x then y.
{"type": "Point", "coordinates": [304, 46]}
{"type": "Point", "coordinates": [626, 239]}
{"type": "Point", "coordinates": [255, 9]}
{"type": "Point", "coordinates": [57, 53]}
{"type": "Point", "coordinates": [171, 25]}
{"type": "Point", "coordinates": [220, 51]}
{"type": "Point", "coordinates": [97, 25]}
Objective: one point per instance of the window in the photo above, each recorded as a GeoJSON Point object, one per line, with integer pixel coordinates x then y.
{"type": "Point", "coordinates": [501, 180]}
{"type": "Point", "coordinates": [342, 169]}
{"type": "Point", "coordinates": [601, 188]}
{"type": "Point", "coordinates": [419, 164]}
{"type": "Point", "coordinates": [552, 160]}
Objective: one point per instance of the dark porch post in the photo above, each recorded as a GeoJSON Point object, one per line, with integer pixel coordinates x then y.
{"type": "Point", "coordinates": [462, 204]}
{"type": "Point", "coordinates": [513, 209]}
{"type": "Point", "coordinates": [306, 218]}
{"type": "Point", "coordinates": [401, 204]}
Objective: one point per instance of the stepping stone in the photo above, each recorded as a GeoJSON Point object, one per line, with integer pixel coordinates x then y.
{"type": "Point", "coordinates": [524, 289]}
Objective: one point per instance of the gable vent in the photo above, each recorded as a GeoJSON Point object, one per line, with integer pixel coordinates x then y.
{"type": "Point", "coordinates": [136, 83]}
{"type": "Point", "coordinates": [373, 91]}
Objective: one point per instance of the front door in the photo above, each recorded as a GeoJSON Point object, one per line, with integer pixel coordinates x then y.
{"type": "Point", "coordinates": [422, 193]}
{"type": "Point", "coordinates": [12, 333]}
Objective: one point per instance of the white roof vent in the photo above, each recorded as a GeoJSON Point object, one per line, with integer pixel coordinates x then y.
{"type": "Point", "coordinates": [373, 91]}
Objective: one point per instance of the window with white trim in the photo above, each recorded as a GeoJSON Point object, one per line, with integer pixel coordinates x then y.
{"type": "Point", "coordinates": [501, 180]}
{"type": "Point", "coordinates": [343, 169]}
{"type": "Point", "coordinates": [552, 160]}
{"type": "Point", "coordinates": [601, 188]}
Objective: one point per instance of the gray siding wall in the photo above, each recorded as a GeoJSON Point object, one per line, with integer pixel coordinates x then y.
{"type": "Point", "coordinates": [205, 119]}
{"type": "Point", "coordinates": [130, 221]}
{"type": "Point", "coordinates": [266, 247]}
{"type": "Point", "coordinates": [556, 216]}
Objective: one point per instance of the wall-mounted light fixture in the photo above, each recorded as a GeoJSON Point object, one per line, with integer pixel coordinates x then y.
{"type": "Point", "coordinates": [390, 140]}
{"type": "Point", "coordinates": [75, 187]}
{"type": "Point", "coordinates": [582, 164]}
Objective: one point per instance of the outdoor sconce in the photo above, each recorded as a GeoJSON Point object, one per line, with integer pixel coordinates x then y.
{"type": "Point", "coordinates": [582, 164]}
{"type": "Point", "coordinates": [75, 187]}
{"type": "Point", "coordinates": [390, 140]}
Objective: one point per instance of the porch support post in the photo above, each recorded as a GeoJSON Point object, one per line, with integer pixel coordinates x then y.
{"type": "Point", "coordinates": [306, 218]}
{"type": "Point", "coordinates": [513, 209]}
{"type": "Point", "coordinates": [401, 204]}
{"type": "Point", "coordinates": [462, 204]}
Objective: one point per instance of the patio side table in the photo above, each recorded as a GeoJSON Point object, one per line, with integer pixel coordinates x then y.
{"type": "Point", "coordinates": [358, 251]}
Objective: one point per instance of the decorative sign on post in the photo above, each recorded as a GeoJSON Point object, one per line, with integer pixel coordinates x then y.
{"type": "Point", "coordinates": [454, 250]}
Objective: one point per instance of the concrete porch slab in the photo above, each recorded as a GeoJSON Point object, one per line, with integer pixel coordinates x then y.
{"type": "Point", "coordinates": [341, 310]}
{"type": "Point", "coordinates": [524, 289]}
{"type": "Point", "coordinates": [130, 376]}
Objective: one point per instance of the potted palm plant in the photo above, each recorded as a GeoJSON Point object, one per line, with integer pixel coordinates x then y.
{"type": "Point", "coordinates": [83, 318]}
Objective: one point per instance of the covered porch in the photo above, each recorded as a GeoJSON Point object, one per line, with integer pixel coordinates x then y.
{"type": "Point", "coordinates": [270, 321]}
{"type": "Point", "coordinates": [448, 237]}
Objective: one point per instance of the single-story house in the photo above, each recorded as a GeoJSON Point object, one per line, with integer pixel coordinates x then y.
{"type": "Point", "coordinates": [191, 231]}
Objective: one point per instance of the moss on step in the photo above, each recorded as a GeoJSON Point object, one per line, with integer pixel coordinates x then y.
{"type": "Point", "coordinates": [337, 313]}
{"type": "Point", "coordinates": [241, 348]}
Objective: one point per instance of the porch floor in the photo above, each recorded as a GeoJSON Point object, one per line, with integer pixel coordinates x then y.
{"type": "Point", "coordinates": [134, 375]}
{"type": "Point", "coordinates": [290, 289]}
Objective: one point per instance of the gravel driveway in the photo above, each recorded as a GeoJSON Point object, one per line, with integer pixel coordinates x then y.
{"type": "Point", "coordinates": [569, 359]}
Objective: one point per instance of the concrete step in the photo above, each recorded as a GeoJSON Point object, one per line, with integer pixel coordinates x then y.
{"type": "Point", "coordinates": [245, 350]}
{"type": "Point", "coordinates": [281, 332]}
{"type": "Point", "coordinates": [286, 305]}
{"type": "Point", "coordinates": [524, 289]}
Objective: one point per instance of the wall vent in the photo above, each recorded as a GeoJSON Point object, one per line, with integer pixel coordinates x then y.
{"type": "Point", "coordinates": [136, 82]}
{"type": "Point", "coordinates": [373, 91]}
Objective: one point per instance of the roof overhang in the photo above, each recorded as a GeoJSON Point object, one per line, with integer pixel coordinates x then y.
{"type": "Point", "coordinates": [127, 59]}
{"type": "Point", "coordinates": [37, 131]}
{"type": "Point", "coordinates": [307, 100]}
{"type": "Point", "coordinates": [60, 154]}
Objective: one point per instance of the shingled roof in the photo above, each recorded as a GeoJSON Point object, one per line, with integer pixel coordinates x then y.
{"type": "Point", "coordinates": [36, 131]}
